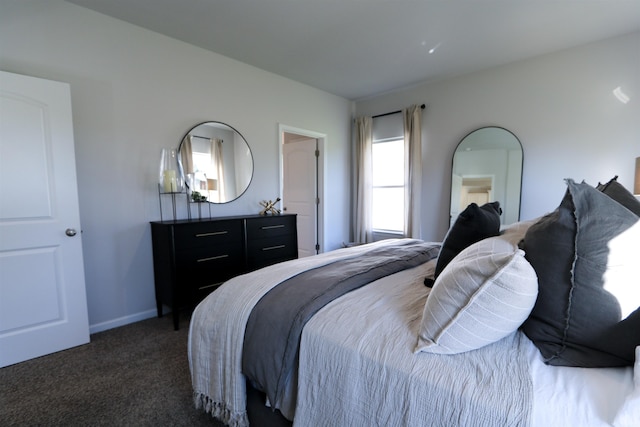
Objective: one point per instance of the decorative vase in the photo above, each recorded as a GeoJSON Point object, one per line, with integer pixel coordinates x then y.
{"type": "Point", "coordinates": [169, 179]}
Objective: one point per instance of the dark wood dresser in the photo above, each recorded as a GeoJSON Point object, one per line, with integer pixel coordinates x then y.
{"type": "Point", "coordinates": [192, 258]}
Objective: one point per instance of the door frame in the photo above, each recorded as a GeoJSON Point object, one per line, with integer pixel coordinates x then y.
{"type": "Point", "coordinates": [320, 172]}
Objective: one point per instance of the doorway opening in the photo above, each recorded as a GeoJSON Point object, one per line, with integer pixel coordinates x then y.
{"type": "Point", "coordinates": [469, 189]}
{"type": "Point", "coordinates": [302, 184]}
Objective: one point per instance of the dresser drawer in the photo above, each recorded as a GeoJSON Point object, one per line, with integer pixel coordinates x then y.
{"type": "Point", "coordinates": [270, 226]}
{"type": "Point", "coordinates": [208, 234]}
{"type": "Point", "coordinates": [201, 275]}
{"type": "Point", "coordinates": [205, 278]}
{"type": "Point", "coordinates": [263, 252]}
{"type": "Point", "coordinates": [210, 258]}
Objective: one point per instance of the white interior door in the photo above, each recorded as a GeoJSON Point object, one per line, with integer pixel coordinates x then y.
{"type": "Point", "coordinates": [43, 307]}
{"type": "Point", "coordinates": [299, 192]}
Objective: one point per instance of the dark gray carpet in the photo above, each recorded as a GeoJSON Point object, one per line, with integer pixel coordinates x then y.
{"type": "Point", "coordinates": [136, 375]}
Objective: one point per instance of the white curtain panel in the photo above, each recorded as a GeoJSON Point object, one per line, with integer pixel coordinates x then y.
{"type": "Point", "coordinates": [413, 170]}
{"type": "Point", "coordinates": [216, 152]}
{"type": "Point", "coordinates": [186, 155]}
{"type": "Point", "coordinates": [362, 209]}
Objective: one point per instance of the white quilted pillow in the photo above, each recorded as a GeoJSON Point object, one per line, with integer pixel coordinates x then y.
{"type": "Point", "coordinates": [484, 294]}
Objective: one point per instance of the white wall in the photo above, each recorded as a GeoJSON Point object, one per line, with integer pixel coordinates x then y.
{"type": "Point", "coordinates": [560, 106]}
{"type": "Point", "coordinates": [135, 92]}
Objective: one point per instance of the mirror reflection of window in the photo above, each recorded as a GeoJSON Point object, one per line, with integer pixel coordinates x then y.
{"type": "Point", "coordinates": [204, 173]}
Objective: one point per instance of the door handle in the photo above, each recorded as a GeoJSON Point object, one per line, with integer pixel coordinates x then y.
{"type": "Point", "coordinates": [70, 232]}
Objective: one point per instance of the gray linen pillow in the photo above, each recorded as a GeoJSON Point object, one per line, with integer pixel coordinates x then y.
{"type": "Point", "coordinates": [617, 192]}
{"type": "Point", "coordinates": [584, 254]}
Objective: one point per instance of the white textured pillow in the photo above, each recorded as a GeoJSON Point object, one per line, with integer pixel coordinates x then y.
{"type": "Point", "coordinates": [483, 295]}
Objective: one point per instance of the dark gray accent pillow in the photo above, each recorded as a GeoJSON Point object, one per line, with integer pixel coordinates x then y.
{"type": "Point", "coordinates": [472, 225]}
{"type": "Point", "coordinates": [617, 192]}
{"type": "Point", "coordinates": [576, 321]}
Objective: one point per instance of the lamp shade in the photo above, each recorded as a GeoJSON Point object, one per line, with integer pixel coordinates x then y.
{"type": "Point", "coordinates": [636, 186]}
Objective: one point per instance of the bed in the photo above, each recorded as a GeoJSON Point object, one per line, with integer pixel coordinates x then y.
{"type": "Point", "coordinates": [468, 351]}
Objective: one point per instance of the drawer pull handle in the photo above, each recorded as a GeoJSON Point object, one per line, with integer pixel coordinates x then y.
{"type": "Point", "coordinates": [213, 285]}
{"type": "Point", "coordinates": [213, 258]}
{"type": "Point", "coordinates": [269, 227]}
{"type": "Point", "coordinates": [270, 248]}
{"type": "Point", "coordinates": [213, 233]}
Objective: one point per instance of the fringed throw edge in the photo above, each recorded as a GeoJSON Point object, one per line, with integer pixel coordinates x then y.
{"type": "Point", "coordinates": [219, 410]}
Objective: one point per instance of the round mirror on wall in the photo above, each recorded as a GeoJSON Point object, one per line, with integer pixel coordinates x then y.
{"type": "Point", "coordinates": [487, 167]}
{"type": "Point", "coordinates": [216, 162]}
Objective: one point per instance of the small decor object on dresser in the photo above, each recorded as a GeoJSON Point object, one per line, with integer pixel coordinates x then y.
{"type": "Point", "coordinates": [196, 196]}
{"type": "Point", "coordinates": [169, 179]}
{"type": "Point", "coordinates": [269, 207]}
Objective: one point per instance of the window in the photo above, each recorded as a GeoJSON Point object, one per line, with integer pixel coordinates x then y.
{"type": "Point", "coordinates": [205, 175]}
{"type": "Point", "coordinates": [388, 185]}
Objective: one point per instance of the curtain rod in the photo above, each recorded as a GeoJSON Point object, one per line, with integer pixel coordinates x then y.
{"type": "Point", "coordinates": [393, 112]}
{"type": "Point", "coordinates": [203, 137]}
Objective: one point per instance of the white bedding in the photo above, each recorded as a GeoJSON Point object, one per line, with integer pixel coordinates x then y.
{"type": "Point", "coordinates": [562, 396]}
{"type": "Point", "coordinates": [368, 374]}
{"type": "Point", "coordinates": [589, 397]}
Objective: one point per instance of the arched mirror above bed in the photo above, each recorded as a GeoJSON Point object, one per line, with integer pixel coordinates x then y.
{"type": "Point", "coordinates": [487, 167]}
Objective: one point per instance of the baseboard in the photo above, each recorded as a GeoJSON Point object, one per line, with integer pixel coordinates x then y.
{"type": "Point", "coordinates": [121, 321]}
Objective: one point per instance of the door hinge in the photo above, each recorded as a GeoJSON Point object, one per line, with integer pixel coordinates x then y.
{"type": "Point", "coordinates": [317, 153]}
{"type": "Point", "coordinates": [317, 200]}
{"type": "Point", "coordinates": [317, 247]}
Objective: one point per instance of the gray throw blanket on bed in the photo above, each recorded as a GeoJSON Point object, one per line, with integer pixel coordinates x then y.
{"type": "Point", "coordinates": [272, 336]}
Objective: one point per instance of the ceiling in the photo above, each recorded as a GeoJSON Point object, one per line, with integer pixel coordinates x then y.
{"type": "Point", "coordinates": [361, 48]}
